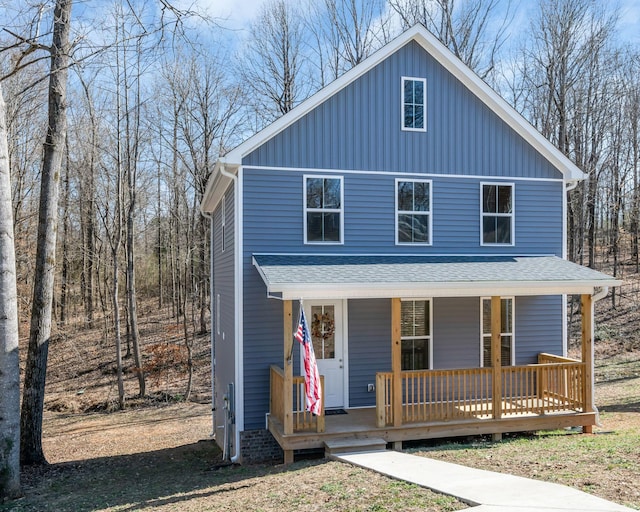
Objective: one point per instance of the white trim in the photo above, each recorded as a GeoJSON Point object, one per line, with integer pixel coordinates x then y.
{"type": "Point", "coordinates": [424, 104]}
{"type": "Point", "coordinates": [398, 173]}
{"type": "Point", "coordinates": [340, 305]}
{"type": "Point", "coordinates": [410, 290]}
{"type": "Point", "coordinates": [430, 335]}
{"type": "Point", "coordinates": [512, 333]}
{"type": "Point", "coordinates": [239, 248]}
{"type": "Point", "coordinates": [306, 210]}
{"type": "Point", "coordinates": [223, 220]}
{"type": "Point", "coordinates": [429, 213]}
{"type": "Point", "coordinates": [419, 255]}
{"type": "Point", "coordinates": [511, 215]}
{"type": "Point", "coordinates": [345, 350]}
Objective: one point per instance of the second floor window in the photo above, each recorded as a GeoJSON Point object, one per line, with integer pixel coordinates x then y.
{"type": "Point", "coordinates": [323, 199]}
{"type": "Point", "coordinates": [497, 214]}
{"type": "Point", "coordinates": [413, 212]}
{"type": "Point", "coordinates": [414, 94]}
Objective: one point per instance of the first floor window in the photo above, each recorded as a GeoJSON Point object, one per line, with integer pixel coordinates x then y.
{"type": "Point", "coordinates": [415, 323]}
{"type": "Point", "coordinates": [497, 214]}
{"type": "Point", "coordinates": [413, 212]}
{"type": "Point", "coordinates": [323, 209]}
{"type": "Point", "coordinates": [506, 331]}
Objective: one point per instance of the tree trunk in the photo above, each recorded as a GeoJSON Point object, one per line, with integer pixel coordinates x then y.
{"type": "Point", "coordinates": [36, 368]}
{"type": "Point", "coordinates": [9, 359]}
{"type": "Point", "coordinates": [132, 301]}
{"type": "Point", "coordinates": [116, 322]}
{"type": "Point", "coordinates": [65, 245]}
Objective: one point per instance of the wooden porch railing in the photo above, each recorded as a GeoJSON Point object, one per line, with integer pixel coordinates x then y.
{"type": "Point", "coordinates": [443, 395]}
{"type": "Point", "coordinates": [303, 420]}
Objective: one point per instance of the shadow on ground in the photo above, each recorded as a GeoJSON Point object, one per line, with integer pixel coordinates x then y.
{"type": "Point", "coordinates": [135, 482]}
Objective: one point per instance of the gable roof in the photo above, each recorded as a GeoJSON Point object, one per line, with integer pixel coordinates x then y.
{"type": "Point", "coordinates": [444, 57]}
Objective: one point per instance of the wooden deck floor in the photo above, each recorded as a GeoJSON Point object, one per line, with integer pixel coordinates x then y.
{"type": "Point", "coordinates": [361, 424]}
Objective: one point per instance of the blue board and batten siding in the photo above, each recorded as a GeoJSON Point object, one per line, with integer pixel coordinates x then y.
{"type": "Point", "coordinates": [356, 134]}
{"type": "Point", "coordinates": [359, 128]}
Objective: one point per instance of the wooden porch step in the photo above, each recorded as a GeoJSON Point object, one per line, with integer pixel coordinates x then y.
{"type": "Point", "coordinates": [353, 444]}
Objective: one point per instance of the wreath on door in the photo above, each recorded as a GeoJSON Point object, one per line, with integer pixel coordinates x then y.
{"type": "Point", "coordinates": [317, 324]}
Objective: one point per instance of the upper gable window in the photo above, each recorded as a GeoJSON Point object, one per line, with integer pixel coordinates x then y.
{"type": "Point", "coordinates": [323, 199]}
{"type": "Point", "coordinates": [414, 101]}
{"type": "Point", "coordinates": [497, 214]}
{"type": "Point", "coordinates": [413, 212]}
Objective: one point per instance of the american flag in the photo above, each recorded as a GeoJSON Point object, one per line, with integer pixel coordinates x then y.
{"type": "Point", "coordinates": [312, 377]}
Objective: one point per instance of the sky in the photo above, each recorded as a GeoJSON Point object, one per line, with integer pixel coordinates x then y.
{"type": "Point", "coordinates": [238, 14]}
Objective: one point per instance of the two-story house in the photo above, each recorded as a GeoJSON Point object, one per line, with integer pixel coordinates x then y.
{"type": "Point", "coordinates": [420, 221]}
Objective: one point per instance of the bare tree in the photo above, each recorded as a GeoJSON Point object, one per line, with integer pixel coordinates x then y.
{"type": "Point", "coordinates": [344, 33]}
{"type": "Point", "coordinates": [36, 367]}
{"type": "Point", "coordinates": [467, 28]}
{"type": "Point", "coordinates": [272, 63]}
{"type": "Point", "coordinates": [567, 73]}
{"type": "Point", "coordinates": [9, 357]}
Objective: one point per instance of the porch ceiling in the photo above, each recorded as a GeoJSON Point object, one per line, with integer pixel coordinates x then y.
{"type": "Point", "coordinates": [295, 276]}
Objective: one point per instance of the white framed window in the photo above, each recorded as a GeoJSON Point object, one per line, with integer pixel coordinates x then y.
{"type": "Point", "coordinates": [416, 320]}
{"type": "Point", "coordinates": [323, 210]}
{"type": "Point", "coordinates": [413, 211]}
{"type": "Point", "coordinates": [507, 339]}
{"type": "Point", "coordinates": [223, 220]}
{"type": "Point", "coordinates": [497, 214]}
{"type": "Point", "coordinates": [414, 104]}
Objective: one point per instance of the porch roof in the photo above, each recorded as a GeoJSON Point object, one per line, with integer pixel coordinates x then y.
{"type": "Point", "coordinates": [296, 276]}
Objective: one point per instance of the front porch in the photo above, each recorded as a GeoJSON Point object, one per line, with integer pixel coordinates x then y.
{"type": "Point", "coordinates": [410, 405]}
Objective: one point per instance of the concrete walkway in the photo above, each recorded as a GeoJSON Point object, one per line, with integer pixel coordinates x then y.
{"type": "Point", "coordinates": [486, 490]}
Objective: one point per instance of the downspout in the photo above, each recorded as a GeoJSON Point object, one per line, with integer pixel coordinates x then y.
{"type": "Point", "coordinates": [209, 217]}
{"type": "Point", "coordinates": [571, 185]}
{"type": "Point", "coordinates": [239, 387]}
{"type": "Point", "coordinates": [601, 294]}
{"type": "Point", "coordinates": [568, 187]}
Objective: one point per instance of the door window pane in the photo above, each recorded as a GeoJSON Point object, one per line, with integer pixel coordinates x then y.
{"type": "Point", "coordinates": [323, 328]}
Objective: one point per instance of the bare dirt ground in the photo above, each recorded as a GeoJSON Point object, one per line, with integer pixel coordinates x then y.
{"type": "Point", "coordinates": [157, 454]}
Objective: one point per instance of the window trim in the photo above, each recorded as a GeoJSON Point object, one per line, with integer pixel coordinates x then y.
{"type": "Point", "coordinates": [512, 362]}
{"type": "Point", "coordinates": [402, 103]}
{"type": "Point", "coordinates": [429, 213]}
{"type": "Point", "coordinates": [511, 215]}
{"type": "Point", "coordinates": [430, 336]}
{"type": "Point", "coordinates": [340, 210]}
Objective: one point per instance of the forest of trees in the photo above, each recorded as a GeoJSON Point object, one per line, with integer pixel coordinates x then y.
{"type": "Point", "coordinates": [154, 94]}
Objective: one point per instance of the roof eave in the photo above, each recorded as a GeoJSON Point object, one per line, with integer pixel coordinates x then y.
{"type": "Point", "coordinates": [217, 185]}
{"type": "Point", "coordinates": [423, 290]}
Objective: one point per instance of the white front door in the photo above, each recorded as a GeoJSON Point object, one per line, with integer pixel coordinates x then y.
{"type": "Point", "coordinates": [325, 321]}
